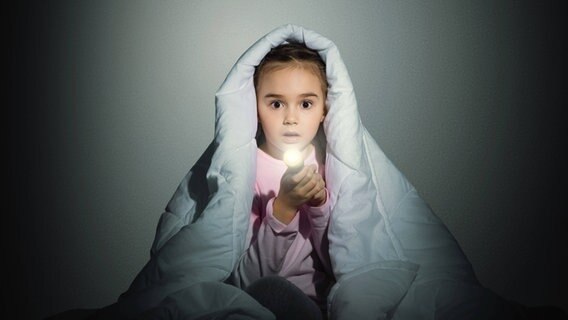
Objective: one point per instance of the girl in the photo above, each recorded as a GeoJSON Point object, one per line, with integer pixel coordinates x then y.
{"type": "Point", "coordinates": [290, 212]}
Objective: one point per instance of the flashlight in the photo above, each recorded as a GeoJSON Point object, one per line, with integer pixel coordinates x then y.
{"type": "Point", "coordinates": [293, 159]}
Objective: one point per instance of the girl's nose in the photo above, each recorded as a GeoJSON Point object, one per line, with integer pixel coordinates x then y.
{"type": "Point", "coordinates": [290, 117]}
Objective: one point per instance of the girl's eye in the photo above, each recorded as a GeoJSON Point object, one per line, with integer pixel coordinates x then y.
{"type": "Point", "coordinates": [306, 104]}
{"type": "Point", "coordinates": [276, 104]}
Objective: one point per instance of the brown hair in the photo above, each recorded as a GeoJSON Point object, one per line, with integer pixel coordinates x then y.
{"type": "Point", "coordinates": [295, 55]}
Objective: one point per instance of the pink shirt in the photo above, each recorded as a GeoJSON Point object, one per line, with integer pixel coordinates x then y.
{"type": "Point", "coordinates": [297, 251]}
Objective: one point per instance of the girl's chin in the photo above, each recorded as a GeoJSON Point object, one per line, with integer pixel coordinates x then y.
{"type": "Point", "coordinates": [296, 147]}
{"type": "Point", "coordinates": [278, 150]}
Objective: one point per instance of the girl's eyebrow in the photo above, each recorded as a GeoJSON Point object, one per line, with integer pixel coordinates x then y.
{"type": "Point", "coordinates": [309, 94]}
{"type": "Point", "coordinates": [273, 95]}
{"type": "Point", "coordinates": [279, 96]}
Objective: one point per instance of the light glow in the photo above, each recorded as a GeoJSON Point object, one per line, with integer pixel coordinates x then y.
{"type": "Point", "coordinates": [293, 158]}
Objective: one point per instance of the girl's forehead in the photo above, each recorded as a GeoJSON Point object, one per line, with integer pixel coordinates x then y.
{"type": "Point", "coordinates": [291, 74]}
{"type": "Point", "coordinates": [290, 81]}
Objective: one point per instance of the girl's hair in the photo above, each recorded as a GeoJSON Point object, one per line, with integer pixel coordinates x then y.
{"type": "Point", "coordinates": [295, 55]}
{"type": "Point", "coordinates": [292, 55]}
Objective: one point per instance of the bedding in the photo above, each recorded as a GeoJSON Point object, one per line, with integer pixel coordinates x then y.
{"type": "Point", "coordinates": [391, 256]}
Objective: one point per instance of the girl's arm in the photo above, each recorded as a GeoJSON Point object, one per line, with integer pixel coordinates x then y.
{"type": "Point", "coordinates": [319, 221]}
{"type": "Point", "coordinates": [270, 243]}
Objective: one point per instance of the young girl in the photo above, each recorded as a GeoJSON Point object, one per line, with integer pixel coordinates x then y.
{"type": "Point", "coordinates": [290, 212]}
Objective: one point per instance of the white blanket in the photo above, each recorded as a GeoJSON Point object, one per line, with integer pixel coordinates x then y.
{"type": "Point", "coordinates": [391, 256]}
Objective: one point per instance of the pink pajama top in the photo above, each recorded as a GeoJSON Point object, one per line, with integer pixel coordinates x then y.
{"type": "Point", "coordinates": [297, 251]}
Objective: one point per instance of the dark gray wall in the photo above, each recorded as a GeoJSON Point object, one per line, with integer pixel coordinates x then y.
{"type": "Point", "coordinates": [111, 102]}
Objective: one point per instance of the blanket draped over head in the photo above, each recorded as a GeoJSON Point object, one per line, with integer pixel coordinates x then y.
{"type": "Point", "coordinates": [391, 256]}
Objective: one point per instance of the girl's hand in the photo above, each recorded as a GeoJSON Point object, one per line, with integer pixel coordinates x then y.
{"type": "Point", "coordinates": [297, 188]}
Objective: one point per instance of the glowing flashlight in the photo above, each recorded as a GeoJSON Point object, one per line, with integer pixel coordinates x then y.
{"type": "Point", "coordinates": [293, 158]}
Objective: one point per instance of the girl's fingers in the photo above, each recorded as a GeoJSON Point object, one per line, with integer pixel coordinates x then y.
{"type": "Point", "coordinates": [306, 183]}
{"type": "Point", "coordinates": [313, 187]}
{"type": "Point", "coordinates": [304, 176]}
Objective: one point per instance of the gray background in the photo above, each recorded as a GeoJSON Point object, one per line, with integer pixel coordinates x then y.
{"type": "Point", "coordinates": [111, 102]}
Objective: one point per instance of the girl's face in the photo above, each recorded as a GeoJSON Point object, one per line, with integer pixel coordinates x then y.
{"type": "Point", "coordinates": [291, 106]}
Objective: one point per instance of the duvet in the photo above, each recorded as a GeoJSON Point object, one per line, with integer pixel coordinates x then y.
{"type": "Point", "coordinates": [391, 256]}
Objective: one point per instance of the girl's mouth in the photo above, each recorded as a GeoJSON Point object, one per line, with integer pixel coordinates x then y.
{"type": "Point", "coordinates": [291, 137]}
